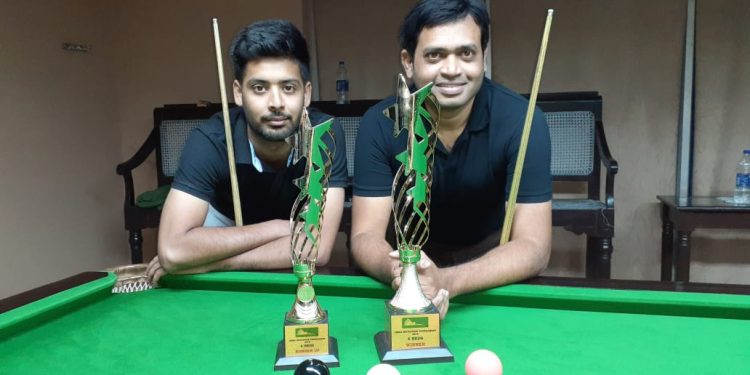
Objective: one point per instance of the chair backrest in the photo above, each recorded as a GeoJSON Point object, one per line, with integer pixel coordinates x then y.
{"type": "Point", "coordinates": [572, 118]}
{"type": "Point", "coordinates": [572, 142]}
{"type": "Point", "coordinates": [173, 124]}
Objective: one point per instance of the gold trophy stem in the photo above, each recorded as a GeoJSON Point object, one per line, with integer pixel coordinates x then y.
{"type": "Point", "coordinates": [306, 308]}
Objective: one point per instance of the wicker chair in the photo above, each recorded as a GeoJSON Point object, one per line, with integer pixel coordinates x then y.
{"type": "Point", "coordinates": [579, 148]}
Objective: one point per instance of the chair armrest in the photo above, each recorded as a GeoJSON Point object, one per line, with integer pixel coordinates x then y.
{"type": "Point", "coordinates": [609, 163]}
{"type": "Point", "coordinates": [604, 154]}
{"type": "Point", "coordinates": [125, 168]}
{"type": "Point", "coordinates": [140, 156]}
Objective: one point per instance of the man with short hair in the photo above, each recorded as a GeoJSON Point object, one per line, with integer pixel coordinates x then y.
{"type": "Point", "coordinates": [479, 131]}
{"type": "Point", "coordinates": [272, 89]}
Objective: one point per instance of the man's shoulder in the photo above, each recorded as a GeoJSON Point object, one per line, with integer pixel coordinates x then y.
{"type": "Point", "coordinates": [500, 94]}
{"type": "Point", "coordinates": [213, 127]}
{"type": "Point", "coordinates": [317, 117]}
{"type": "Point", "coordinates": [375, 112]}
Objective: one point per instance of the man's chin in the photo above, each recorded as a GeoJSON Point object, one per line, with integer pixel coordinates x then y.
{"type": "Point", "coordinates": [451, 103]}
{"type": "Point", "coordinates": [277, 136]}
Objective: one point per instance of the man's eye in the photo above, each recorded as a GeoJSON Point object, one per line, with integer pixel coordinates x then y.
{"type": "Point", "coordinates": [259, 89]}
{"type": "Point", "coordinates": [289, 89]}
{"type": "Point", "coordinates": [467, 53]}
{"type": "Point", "coordinates": [433, 56]}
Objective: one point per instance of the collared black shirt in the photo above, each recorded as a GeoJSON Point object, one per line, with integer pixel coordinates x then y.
{"type": "Point", "coordinates": [204, 170]}
{"type": "Point", "coordinates": [471, 182]}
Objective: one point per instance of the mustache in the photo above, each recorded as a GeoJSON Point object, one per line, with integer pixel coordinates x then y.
{"type": "Point", "coordinates": [276, 116]}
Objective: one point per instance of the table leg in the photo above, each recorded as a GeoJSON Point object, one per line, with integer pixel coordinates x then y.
{"type": "Point", "coordinates": [682, 271]}
{"type": "Point", "coordinates": [667, 244]}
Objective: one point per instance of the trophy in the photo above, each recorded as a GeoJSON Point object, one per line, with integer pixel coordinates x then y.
{"type": "Point", "coordinates": [306, 324]}
{"type": "Point", "coordinates": [412, 332]}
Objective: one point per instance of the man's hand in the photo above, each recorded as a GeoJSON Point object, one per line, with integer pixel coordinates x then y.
{"type": "Point", "coordinates": [155, 271]}
{"type": "Point", "coordinates": [441, 301]}
{"type": "Point", "coordinates": [431, 280]}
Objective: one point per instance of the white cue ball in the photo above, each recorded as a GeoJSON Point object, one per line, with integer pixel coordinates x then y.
{"type": "Point", "coordinates": [383, 369]}
{"type": "Point", "coordinates": [483, 362]}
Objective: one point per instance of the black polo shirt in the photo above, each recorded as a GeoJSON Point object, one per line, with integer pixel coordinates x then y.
{"type": "Point", "coordinates": [471, 182]}
{"type": "Point", "coordinates": [265, 194]}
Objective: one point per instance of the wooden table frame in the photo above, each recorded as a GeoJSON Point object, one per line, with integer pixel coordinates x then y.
{"type": "Point", "coordinates": [36, 294]}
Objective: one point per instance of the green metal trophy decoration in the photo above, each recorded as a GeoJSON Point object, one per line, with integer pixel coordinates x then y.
{"type": "Point", "coordinates": [412, 332]}
{"type": "Point", "coordinates": [306, 325]}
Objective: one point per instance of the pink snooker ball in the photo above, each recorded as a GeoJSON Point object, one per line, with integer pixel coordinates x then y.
{"type": "Point", "coordinates": [483, 362]}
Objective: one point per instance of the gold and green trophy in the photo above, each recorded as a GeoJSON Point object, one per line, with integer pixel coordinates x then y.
{"type": "Point", "coordinates": [306, 324]}
{"type": "Point", "coordinates": [412, 333]}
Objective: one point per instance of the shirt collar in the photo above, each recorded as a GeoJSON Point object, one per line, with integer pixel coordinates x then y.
{"type": "Point", "coordinates": [480, 111]}
{"type": "Point", "coordinates": [242, 154]}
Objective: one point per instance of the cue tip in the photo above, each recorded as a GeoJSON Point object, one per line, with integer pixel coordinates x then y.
{"type": "Point", "coordinates": [549, 12]}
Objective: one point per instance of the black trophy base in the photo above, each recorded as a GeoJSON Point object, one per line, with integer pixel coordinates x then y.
{"type": "Point", "coordinates": [290, 363]}
{"type": "Point", "coordinates": [410, 356]}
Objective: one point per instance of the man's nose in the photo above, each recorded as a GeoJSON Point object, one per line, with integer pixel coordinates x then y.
{"type": "Point", "coordinates": [450, 67]}
{"type": "Point", "coordinates": [275, 100]}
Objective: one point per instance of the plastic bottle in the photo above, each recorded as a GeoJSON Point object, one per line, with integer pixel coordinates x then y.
{"type": "Point", "coordinates": [742, 186]}
{"type": "Point", "coordinates": [342, 84]}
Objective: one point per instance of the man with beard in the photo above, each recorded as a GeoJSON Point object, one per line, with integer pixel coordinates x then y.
{"type": "Point", "coordinates": [271, 88]}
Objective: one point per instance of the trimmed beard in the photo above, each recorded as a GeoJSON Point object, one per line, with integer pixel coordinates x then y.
{"type": "Point", "coordinates": [274, 135]}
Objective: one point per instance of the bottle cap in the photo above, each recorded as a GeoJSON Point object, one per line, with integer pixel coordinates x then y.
{"type": "Point", "coordinates": [746, 152]}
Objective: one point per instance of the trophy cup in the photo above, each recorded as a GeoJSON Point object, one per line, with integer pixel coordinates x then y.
{"type": "Point", "coordinates": [306, 324]}
{"type": "Point", "coordinates": [412, 332]}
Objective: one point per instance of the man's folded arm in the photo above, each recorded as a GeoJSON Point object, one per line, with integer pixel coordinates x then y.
{"type": "Point", "coordinates": [370, 217]}
{"type": "Point", "coordinates": [184, 243]}
{"type": "Point", "coordinates": [525, 255]}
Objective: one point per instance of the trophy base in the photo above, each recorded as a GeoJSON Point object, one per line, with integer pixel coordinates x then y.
{"type": "Point", "coordinates": [412, 337]}
{"type": "Point", "coordinates": [290, 363]}
{"type": "Point", "coordinates": [410, 356]}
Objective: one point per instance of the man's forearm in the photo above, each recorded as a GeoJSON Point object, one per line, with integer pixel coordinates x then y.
{"type": "Point", "coordinates": [370, 252]}
{"type": "Point", "coordinates": [203, 246]}
{"type": "Point", "coordinates": [515, 261]}
{"type": "Point", "coordinates": [273, 255]}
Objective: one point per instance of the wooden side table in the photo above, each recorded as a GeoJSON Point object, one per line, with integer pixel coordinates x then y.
{"type": "Point", "coordinates": [683, 216]}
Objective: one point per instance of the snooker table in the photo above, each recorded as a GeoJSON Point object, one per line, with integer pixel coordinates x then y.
{"type": "Point", "coordinates": [230, 323]}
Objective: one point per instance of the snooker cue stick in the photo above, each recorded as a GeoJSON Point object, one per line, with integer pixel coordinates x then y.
{"type": "Point", "coordinates": [227, 129]}
{"type": "Point", "coordinates": [510, 210]}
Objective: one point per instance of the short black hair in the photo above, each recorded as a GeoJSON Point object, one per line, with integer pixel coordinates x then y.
{"type": "Point", "coordinates": [269, 38]}
{"type": "Point", "coordinates": [431, 13]}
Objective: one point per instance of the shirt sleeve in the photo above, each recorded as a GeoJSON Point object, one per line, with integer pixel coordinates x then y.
{"type": "Point", "coordinates": [536, 180]}
{"type": "Point", "coordinates": [373, 175]}
{"type": "Point", "coordinates": [200, 167]}
{"type": "Point", "coordinates": [339, 175]}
